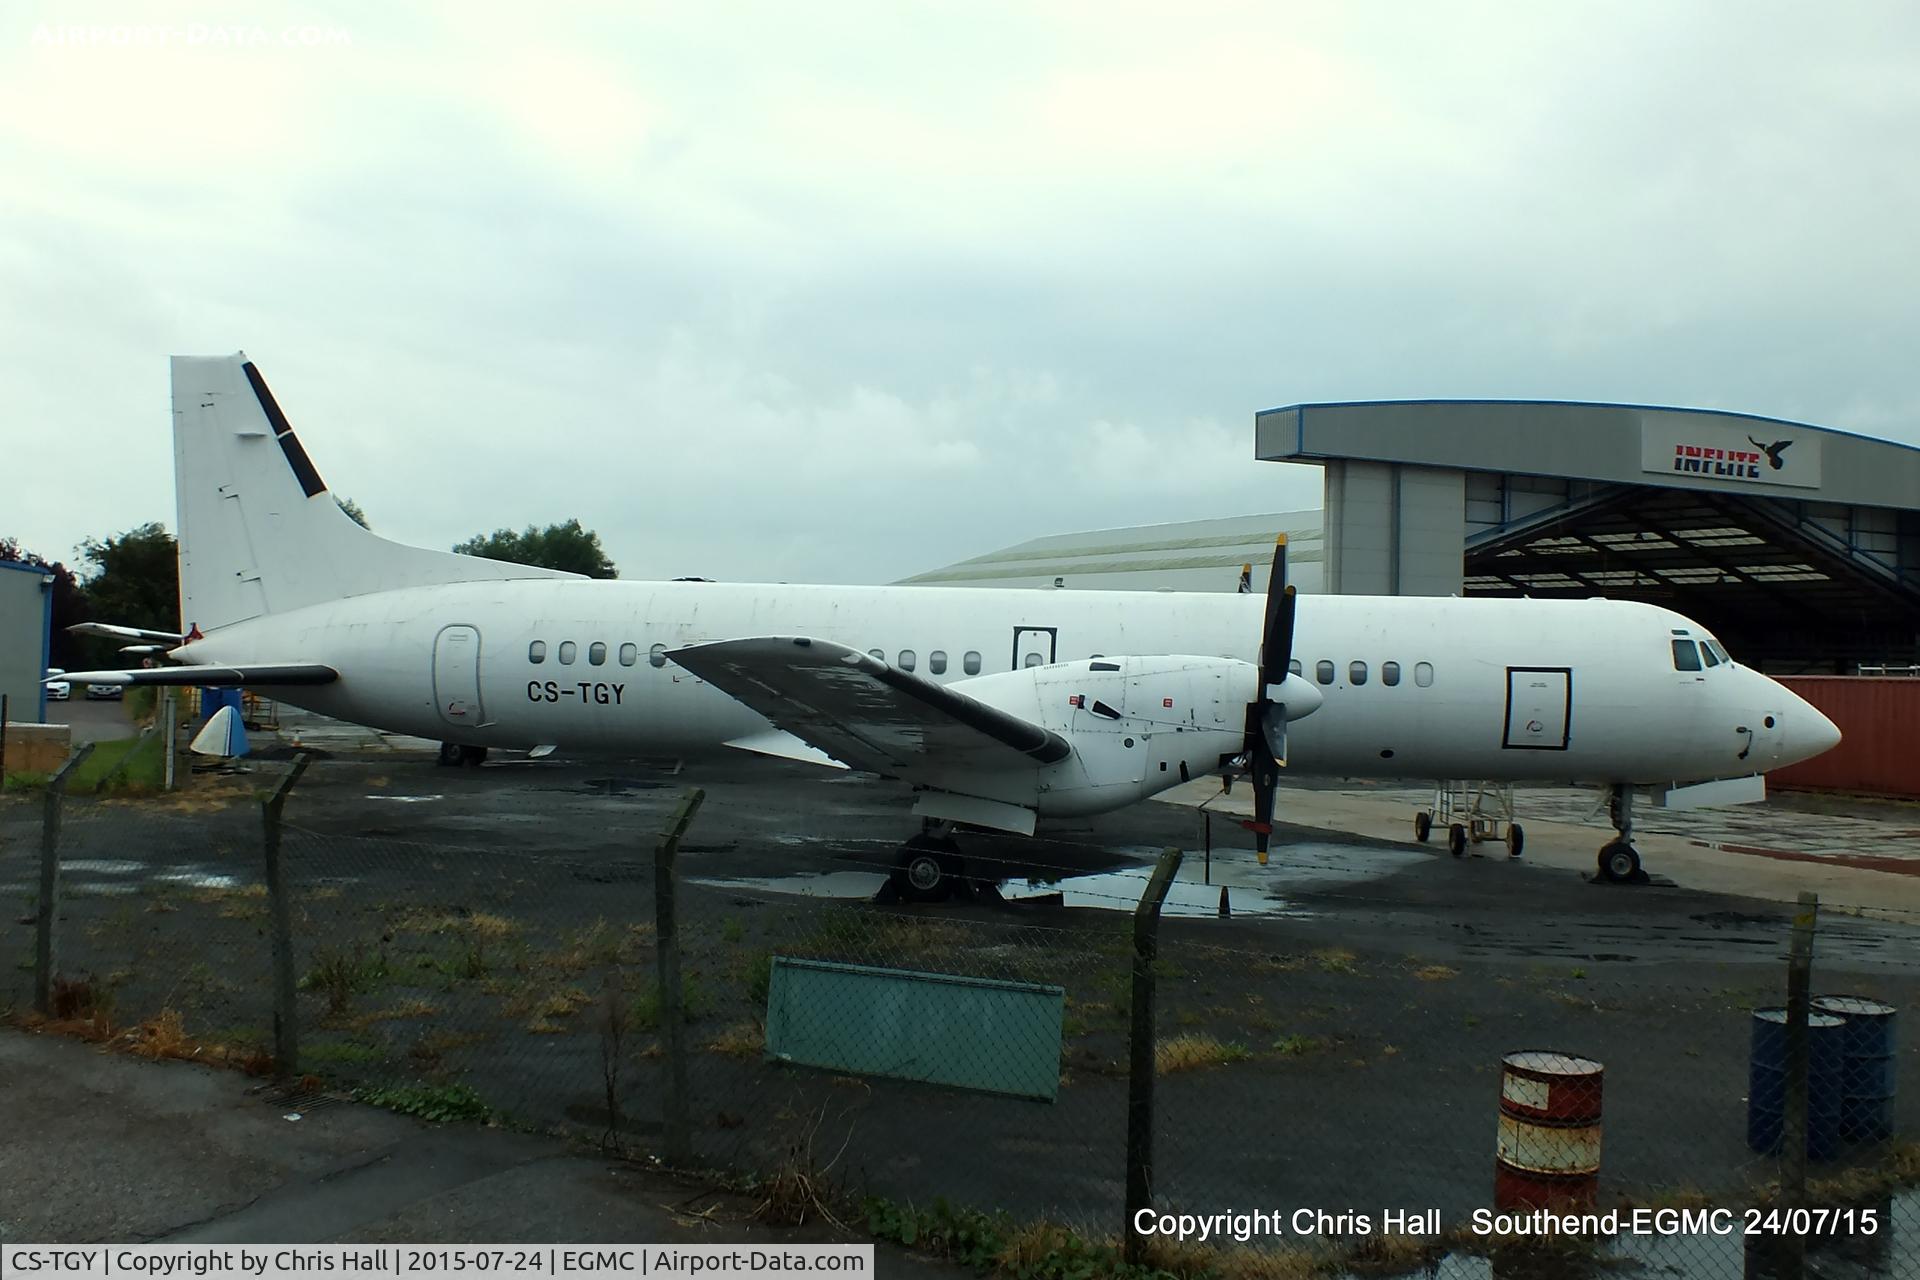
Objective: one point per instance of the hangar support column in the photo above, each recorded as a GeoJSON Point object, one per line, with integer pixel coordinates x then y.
{"type": "Point", "coordinates": [1394, 529]}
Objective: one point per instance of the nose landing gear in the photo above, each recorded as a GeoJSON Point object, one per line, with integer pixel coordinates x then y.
{"type": "Point", "coordinates": [1619, 861]}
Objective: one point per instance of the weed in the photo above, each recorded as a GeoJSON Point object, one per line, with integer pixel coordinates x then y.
{"type": "Point", "coordinates": [1435, 973]}
{"type": "Point", "coordinates": [1334, 960]}
{"type": "Point", "coordinates": [741, 1040]}
{"type": "Point", "coordinates": [733, 930]}
{"type": "Point", "coordinates": [340, 1053]}
{"type": "Point", "coordinates": [436, 1102]}
{"type": "Point", "coordinates": [341, 974]}
{"type": "Point", "coordinates": [1192, 1053]}
{"type": "Point", "coordinates": [1298, 1046]}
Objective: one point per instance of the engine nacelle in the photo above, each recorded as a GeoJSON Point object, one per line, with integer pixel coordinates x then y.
{"type": "Point", "coordinates": [1137, 725]}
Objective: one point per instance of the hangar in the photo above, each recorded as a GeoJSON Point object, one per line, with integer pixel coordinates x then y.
{"type": "Point", "coordinates": [1798, 545]}
{"type": "Point", "coordinates": [26, 631]}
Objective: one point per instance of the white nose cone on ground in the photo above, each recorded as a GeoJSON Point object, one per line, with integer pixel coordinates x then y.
{"type": "Point", "coordinates": [223, 736]}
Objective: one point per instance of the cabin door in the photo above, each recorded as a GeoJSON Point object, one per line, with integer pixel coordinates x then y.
{"type": "Point", "coordinates": [1539, 708]}
{"type": "Point", "coordinates": [456, 676]}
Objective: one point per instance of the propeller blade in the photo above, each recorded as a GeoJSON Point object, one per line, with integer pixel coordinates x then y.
{"type": "Point", "coordinates": [1274, 726]}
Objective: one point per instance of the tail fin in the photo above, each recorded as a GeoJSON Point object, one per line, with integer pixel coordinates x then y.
{"type": "Point", "coordinates": [259, 532]}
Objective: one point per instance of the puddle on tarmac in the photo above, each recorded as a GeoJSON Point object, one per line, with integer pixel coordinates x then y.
{"type": "Point", "coordinates": [1112, 890]}
{"type": "Point", "coordinates": [407, 799]}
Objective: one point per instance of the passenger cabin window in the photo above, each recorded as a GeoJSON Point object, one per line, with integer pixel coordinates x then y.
{"type": "Point", "coordinates": [1356, 673]}
{"type": "Point", "coordinates": [879, 655]}
{"type": "Point", "coordinates": [657, 656]}
{"type": "Point", "coordinates": [970, 662]}
{"type": "Point", "coordinates": [537, 651]}
{"type": "Point", "coordinates": [907, 660]}
{"type": "Point", "coordinates": [1389, 673]}
{"type": "Point", "coordinates": [629, 654]}
{"type": "Point", "coordinates": [597, 653]}
{"type": "Point", "coordinates": [1323, 671]}
{"type": "Point", "coordinates": [567, 651]}
{"type": "Point", "coordinates": [1032, 660]}
{"type": "Point", "coordinates": [937, 662]}
{"type": "Point", "coordinates": [1293, 665]}
{"type": "Point", "coordinates": [1423, 674]}
{"type": "Point", "coordinates": [1685, 656]}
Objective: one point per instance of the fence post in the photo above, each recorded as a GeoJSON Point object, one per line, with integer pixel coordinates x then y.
{"type": "Point", "coordinates": [45, 953]}
{"type": "Point", "coordinates": [1146, 949]}
{"type": "Point", "coordinates": [286, 1021]}
{"type": "Point", "coordinates": [4, 721]}
{"type": "Point", "coordinates": [1793, 1172]}
{"type": "Point", "coordinates": [673, 1033]}
{"type": "Point", "coordinates": [170, 735]}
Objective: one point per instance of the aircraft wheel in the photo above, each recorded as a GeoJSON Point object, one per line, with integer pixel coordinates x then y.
{"type": "Point", "coordinates": [1422, 826]}
{"type": "Point", "coordinates": [1619, 861]}
{"type": "Point", "coordinates": [1457, 840]}
{"type": "Point", "coordinates": [449, 754]}
{"type": "Point", "coordinates": [925, 870]}
{"type": "Point", "coordinates": [473, 757]}
{"type": "Point", "coordinates": [1516, 839]}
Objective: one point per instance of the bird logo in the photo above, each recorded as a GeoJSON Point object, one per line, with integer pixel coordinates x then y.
{"type": "Point", "coordinates": [1773, 451]}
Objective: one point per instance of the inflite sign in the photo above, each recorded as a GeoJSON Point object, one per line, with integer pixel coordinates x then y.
{"type": "Point", "coordinates": [1759, 452]}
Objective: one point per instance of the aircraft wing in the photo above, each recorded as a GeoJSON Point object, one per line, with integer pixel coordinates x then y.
{"type": "Point", "coordinates": [212, 674]}
{"type": "Point", "coordinates": [112, 632]}
{"type": "Point", "coordinates": [859, 710]}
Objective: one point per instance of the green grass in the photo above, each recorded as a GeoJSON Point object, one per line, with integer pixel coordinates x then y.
{"type": "Point", "coordinates": [437, 1102]}
{"type": "Point", "coordinates": [340, 1053]}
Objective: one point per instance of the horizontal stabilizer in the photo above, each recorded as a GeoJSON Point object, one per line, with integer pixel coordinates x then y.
{"type": "Point", "coordinates": [112, 632]}
{"type": "Point", "coordinates": [212, 675]}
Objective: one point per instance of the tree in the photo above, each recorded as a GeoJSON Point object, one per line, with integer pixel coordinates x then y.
{"type": "Point", "coordinates": [354, 513]}
{"type": "Point", "coordinates": [69, 604]}
{"type": "Point", "coordinates": [558, 546]}
{"type": "Point", "coordinates": [136, 579]}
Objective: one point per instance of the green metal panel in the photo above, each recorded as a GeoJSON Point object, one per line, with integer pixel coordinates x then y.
{"type": "Point", "coordinates": [974, 1033]}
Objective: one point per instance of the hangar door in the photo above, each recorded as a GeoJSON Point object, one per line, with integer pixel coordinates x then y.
{"type": "Point", "coordinates": [456, 675]}
{"type": "Point", "coordinates": [1539, 708]}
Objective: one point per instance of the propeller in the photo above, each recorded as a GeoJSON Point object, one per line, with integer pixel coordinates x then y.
{"type": "Point", "coordinates": [1266, 740]}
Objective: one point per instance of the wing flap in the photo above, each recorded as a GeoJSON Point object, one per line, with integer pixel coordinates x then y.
{"type": "Point", "coordinates": [855, 708]}
{"type": "Point", "coordinates": [213, 675]}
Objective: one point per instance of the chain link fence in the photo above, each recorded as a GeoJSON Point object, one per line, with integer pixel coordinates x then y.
{"type": "Point", "coordinates": [1370, 1101]}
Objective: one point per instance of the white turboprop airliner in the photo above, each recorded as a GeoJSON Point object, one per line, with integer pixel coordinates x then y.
{"type": "Point", "coordinates": [1000, 706]}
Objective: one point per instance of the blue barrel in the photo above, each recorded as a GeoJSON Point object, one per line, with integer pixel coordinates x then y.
{"type": "Point", "coordinates": [1767, 1082]}
{"type": "Point", "coordinates": [1867, 1073]}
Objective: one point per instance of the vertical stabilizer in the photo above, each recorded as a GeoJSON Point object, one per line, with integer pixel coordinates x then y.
{"type": "Point", "coordinates": [259, 531]}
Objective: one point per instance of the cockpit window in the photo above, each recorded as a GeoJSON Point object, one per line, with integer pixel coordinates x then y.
{"type": "Point", "coordinates": [1685, 656]}
{"type": "Point", "coordinates": [1715, 648]}
{"type": "Point", "coordinates": [1706, 652]}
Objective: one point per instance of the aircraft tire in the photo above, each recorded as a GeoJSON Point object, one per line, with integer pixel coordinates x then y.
{"type": "Point", "coordinates": [1422, 826]}
{"type": "Point", "coordinates": [1457, 840]}
{"type": "Point", "coordinates": [1516, 839]}
{"type": "Point", "coordinates": [1619, 861]}
{"type": "Point", "coordinates": [924, 870]}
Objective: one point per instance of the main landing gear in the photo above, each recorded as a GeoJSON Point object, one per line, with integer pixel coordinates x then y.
{"type": "Point", "coordinates": [929, 868]}
{"type": "Point", "coordinates": [455, 755]}
{"type": "Point", "coordinates": [1619, 860]}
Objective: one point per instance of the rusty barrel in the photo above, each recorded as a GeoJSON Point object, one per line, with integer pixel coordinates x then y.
{"type": "Point", "coordinates": [1548, 1153]}
{"type": "Point", "coordinates": [1868, 1071]}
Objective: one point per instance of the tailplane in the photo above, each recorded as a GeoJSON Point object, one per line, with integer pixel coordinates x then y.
{"type": "Point", "coordinates": [259, 531]}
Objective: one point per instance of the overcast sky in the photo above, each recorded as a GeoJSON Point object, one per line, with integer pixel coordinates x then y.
{"type": "Point", "coordinates": [845, 291]}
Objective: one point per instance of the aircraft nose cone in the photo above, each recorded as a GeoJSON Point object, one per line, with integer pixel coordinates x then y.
{"type": "Point", "coordinates": [1808, 731]}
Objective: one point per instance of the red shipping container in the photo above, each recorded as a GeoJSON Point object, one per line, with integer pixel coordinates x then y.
{"type": "Point", "coordinates": [1879, 720]}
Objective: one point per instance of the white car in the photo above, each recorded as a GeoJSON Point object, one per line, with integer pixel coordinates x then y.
{"type": "Point", "coordinates": [59, 690]}
{"type": "Point", "coordinates": [103, 691]}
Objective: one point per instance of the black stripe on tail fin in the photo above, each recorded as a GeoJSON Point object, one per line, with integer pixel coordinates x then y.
{"type": "Point", "coordinates": [303, 469]}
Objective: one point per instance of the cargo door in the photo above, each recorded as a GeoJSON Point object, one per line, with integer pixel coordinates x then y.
{"type": "Point", "coordinates": [456, 676]}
